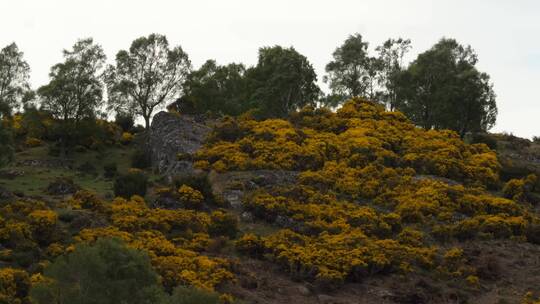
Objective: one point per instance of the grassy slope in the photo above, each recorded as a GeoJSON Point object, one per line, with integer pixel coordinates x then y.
{"type": "Point", "coordinates": [33, 180]}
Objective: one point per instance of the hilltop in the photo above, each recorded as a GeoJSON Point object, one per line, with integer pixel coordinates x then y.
{"type": "Point", "coordinates": [353, 206]}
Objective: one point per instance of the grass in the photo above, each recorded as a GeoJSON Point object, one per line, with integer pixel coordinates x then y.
{"type": "Point", "coordinates": [34, 179]}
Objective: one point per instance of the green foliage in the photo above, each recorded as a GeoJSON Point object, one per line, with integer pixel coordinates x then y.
{"type": "Point", "coordinates": [132, 183]}
{"type": "Point", "coordinates": [485, 138]}
{"type": "Point", "coordinates": [106, 272]}
{"type": "Point", "coordinates": [223, 223]}
{"type": "Point", "coordinates": [6, 149]}
{"type": "Point", "coordinates": [146, 76]}
{"type": "Point", "coordinates": [282, 81]}
{"type": "Point", "coordinates": [199, 182]}
{"type": "Point", "coordinates": [124, 121]}
{"type": "Point", "coordinates": [110, 170]}
{"type": "Point", "coordinates": [190, 295]}
{"type": "Point", "coordinates": [74, 93]}
{"type": "Point", "coordinates": [442, 89]}
{"type": "Point", "coordinates": [350, 68]}
{"type": "Point", "coordinates": [141, 159]}
{"type": "Point", "coordinates": [14, 74]}
{"type": "Point", "coordinates": [216, 89]}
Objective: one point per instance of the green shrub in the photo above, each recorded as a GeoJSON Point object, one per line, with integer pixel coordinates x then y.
{"type": "Point", "coordinates": [141, 159]}
{"type": "Point", "coordinates": [110, 170]}
{"type": "Point", "coordinates": [190, 295]}
{"type": "Point", "coordinates": [124, 121]}
{"type": "Point", "coordinates": [484, 138]}
{"type": "Point", "coordinates": [106, 272]}
{"type": "Point", "coordinates": [198, 182]}
{"type": "Point", "coordinates": [133, 183]}
{"type": "Point", "coordinates": [223, 223]}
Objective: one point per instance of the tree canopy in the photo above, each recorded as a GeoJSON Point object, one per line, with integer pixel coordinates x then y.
{"type": "Point", "coordinates": [215, 88]}
{"type": "Point", "coordinates": [146, 76]}
{"type": "Point", "coordinates": [442, 89]}
{"type": "Point", "coordinates": [75, 90]}
{"type": "Point", "coordinates": [282, 81]}
{"type": "Point", "coordinates": [14, 74]}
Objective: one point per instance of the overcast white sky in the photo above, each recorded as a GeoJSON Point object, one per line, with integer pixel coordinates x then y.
{"type": "Point", "coordinates": [504, 33]}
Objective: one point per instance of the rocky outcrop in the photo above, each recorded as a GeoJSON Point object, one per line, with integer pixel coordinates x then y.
{"type": "Point", "coordinates": [172, 135]}
{"type": "Point", "coordinates": [233, 186]}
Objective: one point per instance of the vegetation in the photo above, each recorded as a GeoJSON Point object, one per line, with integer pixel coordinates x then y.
{"type": "Point", "coordinates": [106, 272]}
{"type": "Point", "coordinates": [14, 74]}
{"type": "Point", "coordinates": [74, 92]}
{"type": "Point", "coordinates": [357, 204]}
{"type": "Point", "coordinates": [439, 80]}
{"type": "Point", "coordinates": [380, 179]}
{"type": "Point", "coordinates": [146, 77]}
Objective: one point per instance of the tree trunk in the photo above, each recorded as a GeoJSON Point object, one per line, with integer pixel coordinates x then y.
{"type": "Point", "coordinates": [147, 122]}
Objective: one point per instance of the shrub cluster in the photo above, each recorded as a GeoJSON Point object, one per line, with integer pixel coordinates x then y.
{"type": "Point", "coordinates": [374, 193]}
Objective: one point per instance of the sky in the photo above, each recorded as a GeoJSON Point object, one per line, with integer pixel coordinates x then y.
{"type": "Point", "coordinates": [505, 34]}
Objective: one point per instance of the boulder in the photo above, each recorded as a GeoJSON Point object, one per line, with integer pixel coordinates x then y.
{"type": "Point", "coordinates": [173, 135]}
{"type": "Point", "coordinates": [62, 186]}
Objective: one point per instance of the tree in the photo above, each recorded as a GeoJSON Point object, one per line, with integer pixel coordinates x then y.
{"type": "Point", "coordinates": [75, 90]}
{"type": "Point", "coordinates": [391, 54]}
{"type": "Point", "coordinates": [14, 74]}
{"type": "Point", "coordinates": [147, 76]}
{"type": "Point", "coordinates": [106, 272]}
{"type": "Point", "coordinates": [442, 89]}
{"type": "Point", "coordinates": [215, 88]}
{"type": "Point", "coordinates": [352, 72]}
{"type": "Point", "coordinates": [282, 81]}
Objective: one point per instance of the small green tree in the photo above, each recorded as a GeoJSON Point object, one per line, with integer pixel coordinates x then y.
{"type": "Point", "coordinates": [146, 76]}
{"type": "Point", "coordinates": [215, 88]}
{"type": "Point", "coordinates": [352, 72]}
{"type": "Point", "coordinates": [14, 74]}
{"type": "Point", "coordinates": [442, 89]}
{"type": "Point", "coordinates": [75, 90]}
{"type": "Point", "coordinates": [282, 81]}
{"type": "Point", "coordinates": [103, 273]}
{"type": "Point", "coordinates": [391, 54]}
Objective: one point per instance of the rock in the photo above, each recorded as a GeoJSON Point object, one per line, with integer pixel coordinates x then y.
{"type": "Point", "coordinates": [62, 186]}
{"type": "Point", "coordinates": [247, 217]}
{"type": "Point", "coordinates": [166, 202]}
{"type": "Point", "coordinates": [303, 290]}
{"type": "Point", "coordinates": [172, 135]}
{"type": "Point", "coordinates": [234, 198]}
{"type": "Point", "coordinates": [284, 221]}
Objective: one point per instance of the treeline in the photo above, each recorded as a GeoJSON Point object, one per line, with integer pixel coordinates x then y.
{"type": "Point", "coordinates": [440, 89]}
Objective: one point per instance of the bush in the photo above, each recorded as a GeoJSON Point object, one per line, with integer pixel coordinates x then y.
{"type": "Point", "coordinates": [190, 295]}
{"type": "Point", "coordinates": [110, 170]}
{"type": "Point", "coordinates": [124, 121]}
{"type": "Point", "coordinates": [126, 138]}
{"type": "Point", "coordinates": [32, 142]}
{"type": "Point", "coordinates": [484, 138]}
{"type": "Point", "coordinates": [198, 182]}
{"type": "Point", "coordinates": [223, 223]}
{"type": "Point", "coordinates": [132, 183]}
{"type": "Point", "coordinates": [107, 272]}
{"type": "Point", "coordinates": [190, 197]}
{"type": "Point", "coordinates": [141, 159]}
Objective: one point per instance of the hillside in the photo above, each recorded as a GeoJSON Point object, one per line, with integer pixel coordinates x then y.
{"type": "Point", "coordinates": [353, 206]}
